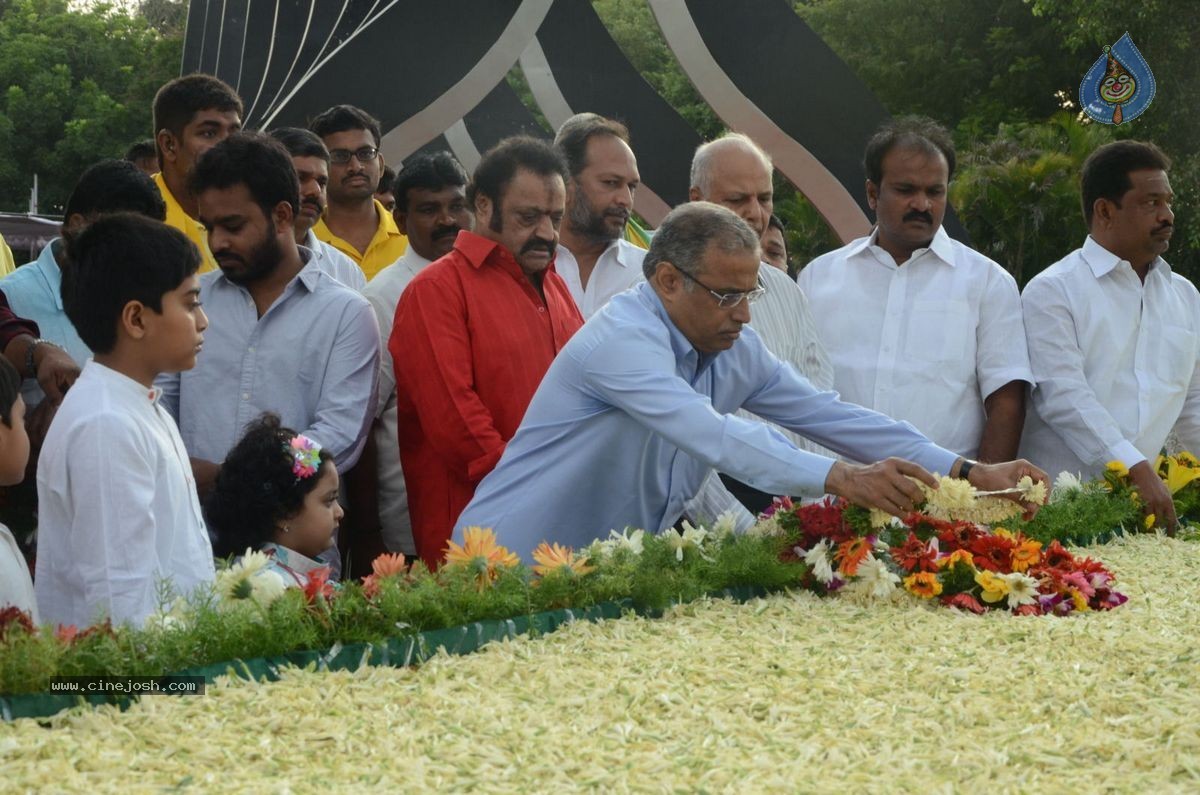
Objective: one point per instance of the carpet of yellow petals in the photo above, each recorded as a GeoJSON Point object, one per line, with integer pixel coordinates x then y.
{"type": "Point", "coordinates": [789, 693]}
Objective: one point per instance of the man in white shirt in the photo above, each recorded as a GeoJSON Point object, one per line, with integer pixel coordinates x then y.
{"type": "Point", "coordinates": [1114, 334]}
{"type": "Point", "coordinates": [593, 257]}
{"type": "Point", "coordinates": [919, 326]}
{"type": "Point", "coordinates": [431, 209]}
{"type": "Point", "coordinates": [734, 172]}
{"type": "Point", "coordinates": [311, 159]}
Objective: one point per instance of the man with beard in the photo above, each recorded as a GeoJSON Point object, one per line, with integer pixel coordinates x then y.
{"type": "Point", "coordinates": [355, 223]}
{"type": "Point", "coordinates": [919, 326]}
{"type": "Point", "coordinates": [593, 258]}
{"type": "Point", "coordinates": [431, 209]}
{"type": "Point", "coordinates": [475, 332]}
{"type": "Point", "coordinates": [285, 336]}
{"type": "Point", "coordinates": [1114, 334]}
{"type": "Point", "coordinates": [311, 161]}
{"type": "Point", "coordinates": [192, 114]}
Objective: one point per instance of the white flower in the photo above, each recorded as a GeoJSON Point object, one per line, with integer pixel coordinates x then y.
{"type": "Point", "coordinates": [674, 541]}
{"type": "Point", "coordinates": [725, 526]}
{"type": "Point", "coordinates": [1066, 483]}
{"type": "Point", "coordinates": [630, 539]}
{"type": "Point", "coordinates": [767, 528]}
{"type": "Point", "coordinates": [875, 579]}
{"type": "Point", "coordinates": [249, 578]}
{"type": "Point", "coordinates": [817, 559]}
{"type": "Point", "coordinates": [1022, 589]}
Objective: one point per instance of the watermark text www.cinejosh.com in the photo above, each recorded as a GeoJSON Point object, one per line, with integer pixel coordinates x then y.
{"type": "Point", "coordinates": [128, 685]}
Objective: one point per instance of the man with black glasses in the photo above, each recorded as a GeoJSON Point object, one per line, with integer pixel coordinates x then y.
{"type": "Point", "coordinates": [355, 223]}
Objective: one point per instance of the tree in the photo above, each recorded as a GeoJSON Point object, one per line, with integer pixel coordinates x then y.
{"type": "Point", "coordinates": [77, 86]}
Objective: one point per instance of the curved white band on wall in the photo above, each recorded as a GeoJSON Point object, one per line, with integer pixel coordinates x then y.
{"type": "Point", "coordinates": [554, 105]}
{"type": "Point", "coordinates": [828, 195]}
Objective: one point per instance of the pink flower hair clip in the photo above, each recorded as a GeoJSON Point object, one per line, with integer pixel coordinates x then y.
{"type": "Point", "coordinates": [306, 456]}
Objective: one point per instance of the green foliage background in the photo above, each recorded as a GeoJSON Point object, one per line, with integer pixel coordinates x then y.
{"type": "Point", "coordinates": [77, 79]}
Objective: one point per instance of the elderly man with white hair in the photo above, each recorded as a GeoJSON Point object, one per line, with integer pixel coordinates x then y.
{"type": "Point", "coordinates": [734, 172]}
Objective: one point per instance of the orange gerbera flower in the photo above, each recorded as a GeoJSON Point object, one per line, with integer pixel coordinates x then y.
{"type": "Point", "coordinates": [1026, 553]}
{"type": "Point", "coordinates": [384, 566]}
{"type": "Point", "coordinates": [552, 557]}
{"type": "Point", "coordinates": [924, 584]}
{"type": "Point", "coordinates": [480, 553]}
{"type": "Point", "coordinates": [851, 553]}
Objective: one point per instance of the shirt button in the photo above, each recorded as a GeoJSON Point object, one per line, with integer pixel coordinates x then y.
{"type": "Point", "coordinates": [541, 309]}
{"type": "Point", "coordinates": [250, 349]}
{"type": "Point", "coordinates": [245, 396]}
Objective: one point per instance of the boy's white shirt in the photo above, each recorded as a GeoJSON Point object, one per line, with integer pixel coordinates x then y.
{"type": "Point", "coordinates": [118, 509]}
{"type": "Point", "coordinates": [16, 589]}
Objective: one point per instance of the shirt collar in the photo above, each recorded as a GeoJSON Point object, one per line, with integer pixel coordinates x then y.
{"type": "Point", "coordinates": [291, 559]}
{"type": "Point", "coordinates": [134, 392]}
{"type": "Point", "coordinates": [1102, 261]}
{"type": "Point", "coordinates": [680, 345]}
{"type": "Point", "coordinates": [308, 276]}
{"type": "Point", "coordinates": [942, 246]}
{"type": "Point", "coordinates": [412, 259]}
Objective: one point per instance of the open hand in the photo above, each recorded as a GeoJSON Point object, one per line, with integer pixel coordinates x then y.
{"type": "Point", "coordinates": [884, 485]}
{"type": "Point", "coordinates": [998, 477]}
{"type": "Point", "coordinates": [1155, 495]}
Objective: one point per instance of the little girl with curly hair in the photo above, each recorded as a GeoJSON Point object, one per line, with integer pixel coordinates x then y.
{"type": "Point", "coordinates": [277, 492]}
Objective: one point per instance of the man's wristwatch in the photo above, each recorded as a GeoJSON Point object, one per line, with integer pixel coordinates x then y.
{"type": "Point", "coordinates": [29, 365]}
{"type": "Point", "coordinates": [965, 468]}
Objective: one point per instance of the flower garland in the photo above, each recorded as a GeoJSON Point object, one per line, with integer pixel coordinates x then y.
{"type": "Point", "coordinates": [956, 561]}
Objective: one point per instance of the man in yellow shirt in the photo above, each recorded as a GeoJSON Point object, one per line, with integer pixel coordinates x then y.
{"type": "Point", "coordinates": [7, 265]}
{"type": "Point", "coordinates": [355, 223]}
{"type": "Point", "coordinates": [192, 114]}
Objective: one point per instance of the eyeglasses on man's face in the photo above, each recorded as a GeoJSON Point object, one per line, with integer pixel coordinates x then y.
{"type": "Point", "coordinates": [728, 300]}
{"type": "Point", "coordinates": [364, 154]}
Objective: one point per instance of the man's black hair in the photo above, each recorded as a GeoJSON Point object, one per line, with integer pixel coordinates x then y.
{"type": "Point", "coordinates": [115, 186]}
{"type": "Point", "coordinates": [120, 258]}
{"type": "Point", "coordinates": [427, 172]}
{"type": "Point", "coordinates": [300, 142]}
{"type": "Point", "coordinates": [1106, 171]}
{"type": "Point", "coordinates": [340, 118]}
{"type": "Point", "coordinates": [10, 390]}
{"type": "Point", "coordinates": [255, 160]}
{"type": "Point", "coordinates": [776, 222]}
{"type": "Point", "coordinates": [141, 149]}
{"type": "Point", "coordinates": [917, 132]}
{"type": "Point", "coordinates": [178, 101]}
{"type": "Point", "coordinates": [501, 162]}
{"type": "Point", "coordinates": [573, 136]}
{"type": "Point", "coordinates": [386, 178]}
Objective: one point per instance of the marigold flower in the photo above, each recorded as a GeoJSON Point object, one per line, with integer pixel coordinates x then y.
{"type": "Point", "coordinates": [923, 584]}
{"type": "Point", "coordinates": [1117, 468]}
{"type": "Point", "coordinates": [481, 553]}
{"type": "Point", "coordinates": [552, 557]}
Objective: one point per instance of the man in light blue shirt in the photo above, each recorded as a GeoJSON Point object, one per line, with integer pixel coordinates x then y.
{"type": "Point", "coordinates": [637, 409]}
{"type": "Point", "coordinates": [34, 290]}
{"type": "Point", "coordinates": [284, 336]}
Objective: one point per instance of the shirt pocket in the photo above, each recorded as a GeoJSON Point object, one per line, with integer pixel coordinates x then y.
{"type": "Point", "coordinates": [939, 331]}
{"type": "Point", "coordinates": [1174, 357]}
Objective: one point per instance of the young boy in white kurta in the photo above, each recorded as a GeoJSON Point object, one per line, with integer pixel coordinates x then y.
{"type": "Point", "coordinates": [16, 589]}
{"type": "Point", "coordinates": [118, 505]}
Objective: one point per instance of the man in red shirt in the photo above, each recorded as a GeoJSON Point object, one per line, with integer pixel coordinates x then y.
{"type": "Point", "coordinates": [475, 332]}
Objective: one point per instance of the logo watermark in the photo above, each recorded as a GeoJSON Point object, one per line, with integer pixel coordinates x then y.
{"type": "Point", "coordinates": [1119, 86]}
